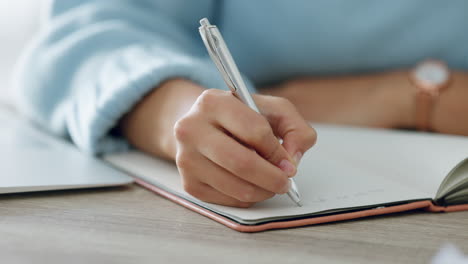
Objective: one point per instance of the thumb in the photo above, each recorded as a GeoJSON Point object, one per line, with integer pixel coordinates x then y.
{"type": "Point", "coordinates": [280, 157]}
{"type": "Point", "coordinates": [297, 135]}
{"type": "Point", "coordinates": [267, 145]}
{"type": "Point", "coordinates": [296, 143]}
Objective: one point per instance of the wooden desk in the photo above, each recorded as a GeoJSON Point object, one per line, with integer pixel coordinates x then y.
{"type": "Point", "coordinates": [133, 225]}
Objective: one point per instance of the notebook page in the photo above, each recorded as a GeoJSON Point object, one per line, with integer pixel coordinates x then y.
{"type": "Point", "coordinates": [457, 184]}
{"type": "Point", "coordinates": [419, 160]}
{"type": "Point", "coordinates": [352, 167]}
{"type": "Point", "coordinates": [339, 172]}
{"type": "Point", "coordinates": [325, 186]}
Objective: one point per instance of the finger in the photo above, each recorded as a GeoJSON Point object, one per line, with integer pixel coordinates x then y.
{"type": "Point", "coordinates": [225, 182]}
{"type": "Point", "coordinates": [207, 194]}
{"type": "Point", "coordinates": [254, 130]}
{"type": "Point", "coordinates": [243, 162]}
{"type": "Point", "coordinates": [298, 136]}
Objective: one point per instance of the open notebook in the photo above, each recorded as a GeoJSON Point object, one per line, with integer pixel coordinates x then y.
{"type": "Point", "coordinates": [350, 173]}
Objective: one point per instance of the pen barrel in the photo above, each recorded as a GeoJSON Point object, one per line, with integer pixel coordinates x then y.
{"type": "Point", "coordinates": [221, 56]}
{"type": "Point", "coordinates": [240, 89]}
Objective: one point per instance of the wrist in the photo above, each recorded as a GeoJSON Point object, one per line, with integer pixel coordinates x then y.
{"type": "Point", "coordinates": [396, 94]}
{"type": "Point", "coordinates": [149, 125]}
{"type": "Point", "coordinates": [449, 112]}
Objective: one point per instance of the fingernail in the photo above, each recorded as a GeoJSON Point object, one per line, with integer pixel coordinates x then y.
{"type": "Point", "coordinates": [297, 158]}
{"type": "Point", "coordinates": [286, 188]}
{"type": "Point", "coordinates": [286, 166]}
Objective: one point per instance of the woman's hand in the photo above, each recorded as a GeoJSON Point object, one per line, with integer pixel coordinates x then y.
{"type": "Point", "coordinates": [226, 153]}
{"type": "Point", "coordinates": [229, 154]}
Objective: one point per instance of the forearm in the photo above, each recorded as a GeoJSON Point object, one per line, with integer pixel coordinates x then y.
{"type": "Point", "coordinates": [376, 100]}
{"type": "Point", "coordinates": [149, 125]}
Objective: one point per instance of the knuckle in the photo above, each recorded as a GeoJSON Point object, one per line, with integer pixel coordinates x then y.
{"type": "Point", "coordinates": [283, 102]}
{"type": "Point", "coordinates": [212, 92]}
{"type": "Point", "coordinates": [182, 129]}
{"type": "Point", "coordinates": [209, 99]}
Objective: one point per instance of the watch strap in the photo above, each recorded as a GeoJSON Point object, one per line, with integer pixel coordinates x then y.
{"type": "Point", "coordinates": [427, 93]}
{"type": "Point", "coordinates": [424, 107]}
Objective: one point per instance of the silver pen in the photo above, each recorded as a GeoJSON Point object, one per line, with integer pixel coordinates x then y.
{"type": "Point", "coordinates": [223, 60]}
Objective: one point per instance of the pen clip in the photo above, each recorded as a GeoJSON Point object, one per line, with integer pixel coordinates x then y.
{"type": "Point", "coordinates": [211, 43]}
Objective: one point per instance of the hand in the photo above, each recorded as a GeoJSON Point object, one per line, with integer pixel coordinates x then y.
{"type": "Point", "coordinates": [228, 154]}
{"type": "Point", "coordinates": [383, 100]}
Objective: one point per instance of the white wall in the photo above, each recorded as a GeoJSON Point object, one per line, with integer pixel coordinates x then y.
{"type": "Point", "coordinates": [19, 19]}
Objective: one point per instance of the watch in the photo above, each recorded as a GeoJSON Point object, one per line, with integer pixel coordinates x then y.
{"type": "Point", "coordinates": [430, 77]}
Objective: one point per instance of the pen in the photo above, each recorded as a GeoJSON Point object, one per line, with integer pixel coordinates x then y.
{"type": "Point", "coordinates": [223, 60]}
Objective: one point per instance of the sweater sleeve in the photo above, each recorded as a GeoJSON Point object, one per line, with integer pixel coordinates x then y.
{"type": "Point", "coordinates": [93, 60]}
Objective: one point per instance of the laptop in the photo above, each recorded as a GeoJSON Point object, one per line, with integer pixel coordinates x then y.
{"type": "Point", "coordinates": [32, 160]}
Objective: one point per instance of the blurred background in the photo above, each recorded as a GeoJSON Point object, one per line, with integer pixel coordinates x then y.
{"type": "Point", "coordinates": [19, 20]}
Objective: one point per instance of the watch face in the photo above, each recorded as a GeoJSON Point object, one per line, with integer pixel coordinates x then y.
{"type": "Point", "coordinates": [432, 74]}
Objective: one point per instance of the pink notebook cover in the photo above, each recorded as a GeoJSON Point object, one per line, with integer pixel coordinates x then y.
{"type": "Point", "coordinates": [424, 205]}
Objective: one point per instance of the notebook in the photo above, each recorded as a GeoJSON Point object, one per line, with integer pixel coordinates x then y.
{"type": "Point", "coordinates": [350, 173]}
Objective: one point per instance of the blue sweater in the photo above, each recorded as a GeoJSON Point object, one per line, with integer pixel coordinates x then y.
{"type": "Point", "coordinates": [94, 59]}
